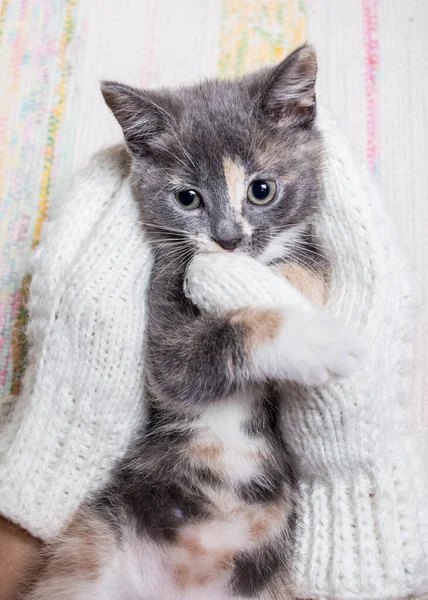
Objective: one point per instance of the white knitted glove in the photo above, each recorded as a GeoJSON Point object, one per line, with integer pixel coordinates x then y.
{"type": "Point", "coordinates": [364, 531]}
{"type": "Point", "coordinates": [82, 389]}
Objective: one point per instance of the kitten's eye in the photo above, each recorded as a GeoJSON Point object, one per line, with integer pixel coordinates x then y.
{"type": "Point", "coordinates": [261, 192]}
{"type": "Point", "coordinates": [189, 199]}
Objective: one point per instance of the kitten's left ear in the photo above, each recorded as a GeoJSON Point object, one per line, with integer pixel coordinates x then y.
{"type": "Point", "coordinates": [290, 93]}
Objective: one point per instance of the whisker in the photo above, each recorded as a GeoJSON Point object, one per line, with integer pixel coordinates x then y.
{"type": "Point", "coordinates": [163, 227]}
{"type": "Point", "coordinates": [302, 246]}
{"type": "Point", "coordinates": [300, 261]}
{"type": "Point", "coordinates": [175, 156]}
{"type": "Point", "coordinates": [163, 242]}
{"type": "Point", "coordinates": [173, 251]}
{"type": "Point", "coordinates": [296, 243]}
{"type": "Point", "coordinates": [172, 260]}
{"type": "Point", "coordinates": [183, 260]}
{"type": "Point", "coordinates": [184, 150]}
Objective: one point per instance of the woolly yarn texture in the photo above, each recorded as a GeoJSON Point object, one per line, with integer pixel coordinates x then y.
{"type": "Point", "coordinates": [364, 530]}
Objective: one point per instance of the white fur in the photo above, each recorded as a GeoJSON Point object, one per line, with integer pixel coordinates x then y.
{"type": "Point", "coordinates": [236, 182]}
{"type": "Point", "coordinates": [222, 424]}
{"type": "Point", "coordinates": [310, 348]}
{"type": "Point", "coordinates": [138, 569]}
{"type": "Point", "coordinates": [278, 245]}
{"type": "Point", "coordinates": [234, 174]}
{"type": "Point", "coordinates": [205, 244]}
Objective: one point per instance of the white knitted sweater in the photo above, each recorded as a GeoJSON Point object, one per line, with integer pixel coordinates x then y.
{"type": "Point", "coordinates": [364, 531]}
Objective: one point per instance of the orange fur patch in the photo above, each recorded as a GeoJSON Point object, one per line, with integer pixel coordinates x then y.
{"type": "Point", "coordinates": [210, 453]}
{"type": "Point", "coordinates": [259, 528]}
{"type": "Point", "coordinates": [191, 545]}
{"type": "Point", "coordinates": [261, 325]}
{"type": "Point", "coordinates": [198, 566]}
{"type": "Point", "coordinates": [182, 576]}
{"type": "Point", "coordinates": [78, 553]}
{"type": "Point", "coordinates": [202, 579]}
{"type": "Point", "coordinates": [225, 561]}
{"type": "Point", "coordinates": [310, 284]}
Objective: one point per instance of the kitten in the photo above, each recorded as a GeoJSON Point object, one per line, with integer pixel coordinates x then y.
{"type": "Point", "coordinates": [205, 503]}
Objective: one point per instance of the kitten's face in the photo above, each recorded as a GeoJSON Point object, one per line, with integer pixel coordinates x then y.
{"type": "Point", "coordinates": [226, 165]}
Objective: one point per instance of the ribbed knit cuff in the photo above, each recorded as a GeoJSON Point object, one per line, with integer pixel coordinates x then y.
{"type": "Point", "coordinates": [360, 539]}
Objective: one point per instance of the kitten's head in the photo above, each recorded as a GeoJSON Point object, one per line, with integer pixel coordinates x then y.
{"type": "Point", "coordinates": [226, 165]}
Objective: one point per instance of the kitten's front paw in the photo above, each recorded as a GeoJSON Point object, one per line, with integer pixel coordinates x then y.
{"type": "Point", "coordinates": [310, 348]}
{"type": "Point", "coordinates": [329, 349]}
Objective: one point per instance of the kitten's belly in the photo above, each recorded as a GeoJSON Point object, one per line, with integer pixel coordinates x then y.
{"type": "Point", "coordinates": [143, 571]}
{"type": "Point", "coordinates": [198, 566]}
{"type": "Point", "coordinates": [222, 441]}
{"type": "Point", "coordinates": [200, 561]}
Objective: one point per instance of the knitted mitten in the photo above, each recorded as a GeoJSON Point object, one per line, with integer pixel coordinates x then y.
{"type": "Point", "coordinates": [82, 389]}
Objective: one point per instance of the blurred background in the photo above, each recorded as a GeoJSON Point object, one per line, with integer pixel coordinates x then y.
{"type": "Point", "coordinates": [373, 76]}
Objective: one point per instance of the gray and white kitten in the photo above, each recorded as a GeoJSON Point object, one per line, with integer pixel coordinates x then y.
{"type": "Point", "coordinates": [205, 503]}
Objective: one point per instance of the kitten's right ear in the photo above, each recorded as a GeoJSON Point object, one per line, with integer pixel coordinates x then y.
{"type": "Point", "coordinates": [141, 119]}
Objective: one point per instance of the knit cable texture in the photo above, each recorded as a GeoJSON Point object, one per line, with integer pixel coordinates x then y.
{"type": "Point", "coordinates": [364, 529]}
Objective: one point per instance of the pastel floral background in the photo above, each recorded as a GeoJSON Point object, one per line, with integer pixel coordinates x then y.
{"type": "Point", "coordinates": [373, 57]}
